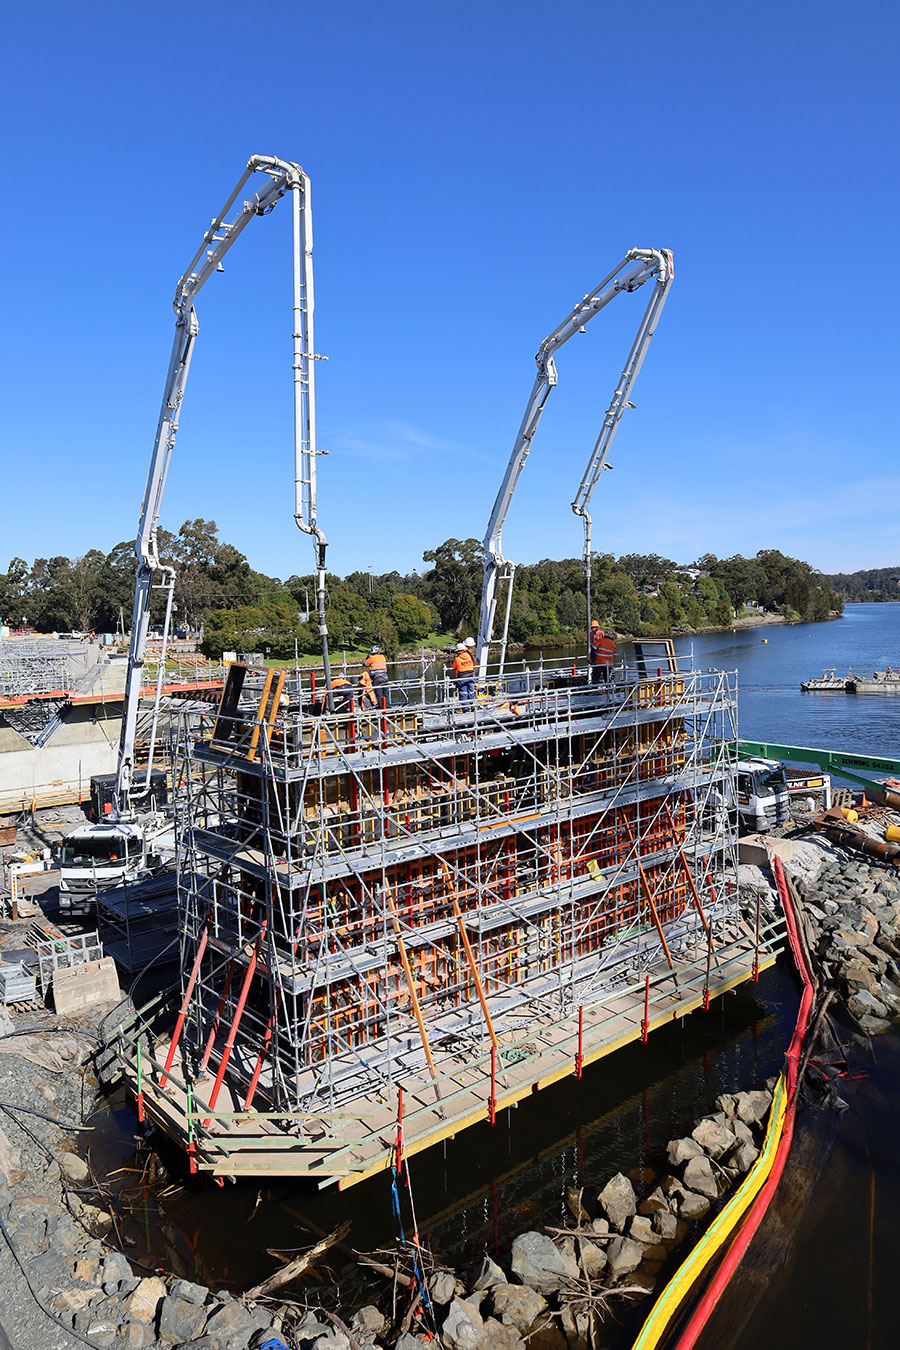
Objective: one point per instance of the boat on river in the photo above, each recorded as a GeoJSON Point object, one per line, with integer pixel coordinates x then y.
{"type": "Point", "coordinates": [829, 683]}
{"type": "Point", "coordinates": [881, 682]}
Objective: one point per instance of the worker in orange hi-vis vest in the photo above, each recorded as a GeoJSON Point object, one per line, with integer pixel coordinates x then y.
{"type": "Point", "coordinates": [342, 691]}
{"type": "Point", "coordinates": [602, 652]}
{"type": "Point", "coordinates": [464, 670]}
{"type": "Point", "coordinates": [376, 664]}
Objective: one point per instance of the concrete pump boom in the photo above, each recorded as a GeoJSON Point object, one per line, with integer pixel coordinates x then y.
{"type": "Point", "coordinates": [638, 265]}
{"type": "Point", "coordinates": [283, 176]}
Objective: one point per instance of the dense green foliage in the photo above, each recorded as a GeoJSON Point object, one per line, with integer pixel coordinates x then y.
{"type": "Point", "coordinates": [243, 610]}
{"type": "Point", "coordinates": [86, 593]}
{"type": "Point", "coordinates": [871, 583]}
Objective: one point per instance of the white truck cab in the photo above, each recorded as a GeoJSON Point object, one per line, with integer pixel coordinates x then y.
{"type": "Point", "coordinates": [763, 799]}
{"type": "Point", "coordinates": [95, 857]}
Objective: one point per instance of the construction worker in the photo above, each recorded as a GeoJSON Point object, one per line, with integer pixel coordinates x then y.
{"type": "Point", "coordinates": [367, 697]}
{"type": "Point", "coordinates": [376, 664]}
{"type": "Point", "coordinates": [464, 670]}
{"type": "Point", "coordinates": [342, 691]}
{"type": "Point", "coordinates": [602, 651]}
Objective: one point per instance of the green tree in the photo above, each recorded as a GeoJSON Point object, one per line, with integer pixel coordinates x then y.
{"type": "Point", "coordinates": [384, 634]}
{"type": "Point", "coordinates": [413, 619]}
{"type": "Point", "coordinates": [15, 592]}
{"type": "Point", "coordinates": [453, 585]}
{"type": "Point", "coordinates": [53, 602]}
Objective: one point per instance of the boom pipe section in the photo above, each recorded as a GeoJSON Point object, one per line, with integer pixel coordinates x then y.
{"type": "Point", "coordinates": [283, 176]}
{"type": "Point", "coordinates": [645, 264]}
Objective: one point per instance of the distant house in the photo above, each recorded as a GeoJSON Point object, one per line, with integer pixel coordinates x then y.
{"type": "Point", "coordinates": [754, 605]}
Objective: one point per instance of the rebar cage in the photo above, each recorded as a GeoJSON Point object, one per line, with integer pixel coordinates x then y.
{"type": "Point", "coordinates": [366, 892]}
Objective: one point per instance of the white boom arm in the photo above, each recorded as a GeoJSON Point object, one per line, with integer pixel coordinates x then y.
{"type": "Point", "coordinates": [638, 265]}
{"type": "Point", "coordinates": [282, 176]}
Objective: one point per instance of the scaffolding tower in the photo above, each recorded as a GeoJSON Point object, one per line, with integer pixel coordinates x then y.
{"type": "Point", "coordinates": [460, 904]}
{"type": "Point", "coordinates": [34, 669]}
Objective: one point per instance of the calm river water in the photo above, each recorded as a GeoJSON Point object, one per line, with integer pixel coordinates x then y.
{"type": "Point", "coordinates": [813, 1279]}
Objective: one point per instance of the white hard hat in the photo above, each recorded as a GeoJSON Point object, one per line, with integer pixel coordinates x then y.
{"type": "Point", "coordinates": [460, 646]}
{"type": "Point", "coordinates": [469, 642]}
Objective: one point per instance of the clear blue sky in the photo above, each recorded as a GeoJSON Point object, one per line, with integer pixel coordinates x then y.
{"type": "Point", "coordinates": [476, 168]}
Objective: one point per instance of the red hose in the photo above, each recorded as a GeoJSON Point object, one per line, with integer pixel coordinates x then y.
{"type": "Point", "coordinates": [754, 1217]}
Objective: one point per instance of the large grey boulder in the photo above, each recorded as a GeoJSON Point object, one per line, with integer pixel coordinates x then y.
{"type": "Point", "coordinates": [623, 1256]}
{"type": "Point", "coordinates": [640, 1229]}
{"type": "Point", "coordinates": [865, 1004]}
{"type": "Point", "coordinates": [442, 1287]}
{"type": "Point", "coordinates": [489, 1274]}
{"type": "Point", "coordinates": [309, 1328]}
{"type": "Point", "coordinates": [654, 1202]}
{"type": "Point", "coordinates": [753, 1107]}
{"type": "Point", "coordinates": [618, 1201]}
{"type": "Point", "coordinates": [74, 1169]}
{"type": "Point", "coordinates": [498, 1336]}
{"type": "Point", "coordinates": [180, 1320]}
{"type": "Point", "coordinates": [539, 1263]}
{"type": "Point", "coordinates": [742, 1133]}
{"type": "Point", "coordinates": [331, 1340]}
{"type": "Point", "coordinates": [368, 1322]}
{"type": "Point", "coordinates": [517, 1305]}
{"type": "Point", "coordinates": [687, 1204]}
{"type": "Point", "coordinates": [463, 1327]}
{"type": "Point", "coordinates": [142, 1305]}
{"type": "Point", "coordinates": [699, 1177]}
{"type": "Point", "coordinates": [691, 1205]}
{"type": "Point", "coordinates": [117, 1275]}
{"type": "Point", "coordinates": [592, 1258]}
{"type": "Point", "coordinates": [743, 1157]}
{"type": "Point", "coordinates": [232, 1325]}
{"type": "Point", "coordinates": [874, 1026]}
{"type": "Point", "coordinates": [186, 1289]}
{"type": "Point", "coordinates": [665, 1226]}
{"type": "Point", "coordinates": [681, 1151]}
{"type": "Point", "coordinates": [713, 1138]}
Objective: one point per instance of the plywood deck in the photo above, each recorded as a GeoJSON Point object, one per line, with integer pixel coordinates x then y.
{"type": "Point", "coordinates": [345, 1145]}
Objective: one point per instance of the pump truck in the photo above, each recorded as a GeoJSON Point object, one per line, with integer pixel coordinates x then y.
{"type": "Point", "coordinates": [124, 846]}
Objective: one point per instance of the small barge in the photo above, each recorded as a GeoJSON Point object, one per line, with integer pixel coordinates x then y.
{"type": "Point", "coordinates": [882, 682]}
{"type": "Point", "coordinates": [829, 683]}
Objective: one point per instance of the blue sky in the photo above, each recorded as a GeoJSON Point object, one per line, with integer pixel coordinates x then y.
{"type": "Point", "coordinates": [476, 168]}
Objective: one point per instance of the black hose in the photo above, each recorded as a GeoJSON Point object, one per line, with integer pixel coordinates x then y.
{"type": "Point", "coordinates": [63, 1124]}
{"type": "Point", "coordinates": [69, 1330]}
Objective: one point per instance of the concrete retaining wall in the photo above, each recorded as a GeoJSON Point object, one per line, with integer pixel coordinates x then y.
{"type": "Point", "coordinates": [78, 748]}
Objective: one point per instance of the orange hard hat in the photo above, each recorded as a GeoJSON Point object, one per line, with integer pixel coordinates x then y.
{"type": "Point", "coordinates": [594, 623]}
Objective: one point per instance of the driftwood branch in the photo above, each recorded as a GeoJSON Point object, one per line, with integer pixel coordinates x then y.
{"type": "Point", "coordinates": [296, 1267]}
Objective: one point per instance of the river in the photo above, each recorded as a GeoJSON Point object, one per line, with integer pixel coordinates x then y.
{"type": "Point", "coordinates": [482, 1188]}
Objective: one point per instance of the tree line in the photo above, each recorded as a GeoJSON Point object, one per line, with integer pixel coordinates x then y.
{"type": "Point", "coordinates": [870, 583]}
{"type": "Point", "coordinates": [240, 609]}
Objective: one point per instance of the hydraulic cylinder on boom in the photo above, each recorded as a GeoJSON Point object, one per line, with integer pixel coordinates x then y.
{"type": "Point", "coordinates": [638, 266]}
